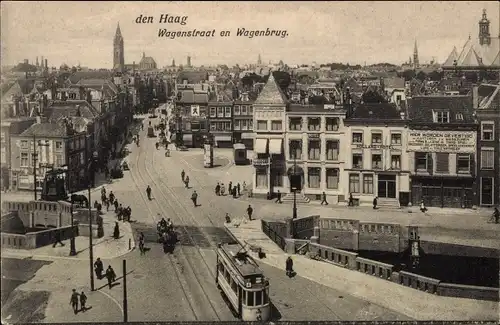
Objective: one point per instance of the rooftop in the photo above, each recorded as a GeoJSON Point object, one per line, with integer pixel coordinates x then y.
{"type": "Point", "coordinates": [271, 94]}
{"type": "Point", "coordinates": [49, 130]}
{"type": "Point", "coordinates": [421, 108]}
{"type": "Point", "coordinates": [375, 111]}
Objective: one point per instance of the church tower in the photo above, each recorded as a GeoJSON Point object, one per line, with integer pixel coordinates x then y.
{"type": "Point", "coordinates": [415, 56]}
{"type": "Point", "coordinates": [118, 51]}
{"type": "Point", "coordinates": [484, 30]}
{"type": "Point", "coordinates": [259, 60]}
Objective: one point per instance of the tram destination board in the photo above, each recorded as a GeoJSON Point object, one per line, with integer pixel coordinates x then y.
{"type": "Point", "coordinates": [297, 323]}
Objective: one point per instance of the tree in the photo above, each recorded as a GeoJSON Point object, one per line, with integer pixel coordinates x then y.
{"type": "Point", "coordinates": [282, 78]}
{"type": "Point", "coordinates": [435, 75]}
{"type": "Point", "coordinates": [250, 79]}
{"type": "Point", "coordinates": [373, 97]}
{"type": "Point", "coordinates": [421, 76]}
{"type": "Point", "coordinates": [408, 75]}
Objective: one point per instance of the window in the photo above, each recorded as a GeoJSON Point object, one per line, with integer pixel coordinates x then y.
{"type": "Point", "coordinates": [34, 160]}
{"type": "Point", "coordinates": [245, 124]}
{"type": "Point", "coordinates": [277, 178]}
{"type": "Point", "coordinates": [376, 138]}
{"type": "Point", "coordinates": [213, 112]}
{"type": "Point", "coordinates": [3, 136]}
{"type": "Point", "coordinates": [314, 149]}
{"type": "Point", "coordinates": [357, 160]}
{"type": "Point", "coordinates": [354, 183]}
{"type": "Point", "coordinates": [220, 126]}
{"type": "Point", "coordinates": [82, 158]}
{"type": "Point", "coordinates": [376, 161]}
{"type": "Point", "coordinates": [441, 116]}
{"type": "Point", "coordinates": [332, 178]}
{"type": "Point", "coordinates": [250, 299]}
{"type": "Point", "coordinates": [276, 125]}
{"type": "Point", "coordinates": [463, 163]}
{"type": "Point", "coordinates": [332, 123]}
{"type": "Point", "coordinates": [487, 131]}
{"type": "Point", "coordinates": [295, 148]}
{"type": "Point", "coordinates": [237, 124]}
{"type": "Point", "coordinates": [213, 126]}
{"type": "Point", "coordinates": [295, 124]}
{"type": "Point", "coordinates": [368, 184]}
{"type": "Point", "coordinates": [236, 109]}
{"type": "Point", "coordinates": [332, 150]}
{"type": "Point", "coordinates": [227, 112]}
{"type": "Point", "coordinates": [59, 160]}
{"type": "Point", "coordinates": [314, 124]}
{"type": "Point", "coordinates": [395, 138]}
{"type": "Point", "coordinates": [422, 161]}
{"type": "Point", "coordinates": [82, 142]}
{"type": "Point", "coordinates": [314, 177]}
{"type": "Point", "coordinates": [227, 126]}
{"type": "Point", "coordinates": [250, 110]}
{"type": "Point", "coordinates": [442, 163]}
{"type": "Point", "coordinates": [262, 125]}
{"type": "Point", "coordinates": [487, 158]}
{"type": "Point", "coordinates": [258, 298]}
{"type": "Point", "coordinates": [459, 117]}
{"type": "Point", "coordinates": [24, 144]}
{"type": "Point", "coordinates": [357, 137]}
{"type": "Point", "coordinates": [396, 162]}
{"type": "Point", "coordinates": [244, 110]}
{"type": "Point", "coordinates": [398, 98]}
{"type": "Point", "coordinates": [250, 124]}
{"type": "Point", "coordinates": [220, 111]}
{"type": "Point", "coordinates": [261, 177]}
{"type": "Point", "coordinates": [59, 145]}
{"type": "Point", "coordinates": [24, 159]}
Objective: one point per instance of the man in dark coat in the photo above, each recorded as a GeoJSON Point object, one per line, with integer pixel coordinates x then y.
{"type": "Point", "coordinates": [323, 199]}
{"type": "Point", "coordinates": [375, 202]}
{"type": "Point", "coordinates": [194, 198]}
{"type": "Point", "coordinates": [217, 189]}
{"type": "Point", "coordinates": [98, 268]}
{"type": "Point", "coordinates": [83, 301]}
{"type": "Point", "coordinates": [111, 276]}
{"type": "Point", "coordinates": [183, 174]}
{"type": "Point", "coordinates": [230, 188]}
{"type": "Point", "coordinates": [57, 239]}
{"type": "Point", "coordinates": [238, 187]}
{"type": "Point", "coordinates": [249, 212]}
{"type": "Point", "coordinates": [186, 181]}
{"type": "Point", "coordinates": [278, 199]}
{"type": "Point", "coordinates": [74, 301]}
{"type": "Point", "coordinates": [235, 192]}
{"type": "Point", "coordinates": [116, 231]}
{"type": "Point", "coordinates": [351, 200]}
{"type": "Point", "coordinates": [289, 267]}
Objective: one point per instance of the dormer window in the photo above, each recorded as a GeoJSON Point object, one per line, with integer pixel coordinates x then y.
{"type": "Point", "coordinates": [441, 116]}
{"type": "Point", "coordinates": [459, 117]}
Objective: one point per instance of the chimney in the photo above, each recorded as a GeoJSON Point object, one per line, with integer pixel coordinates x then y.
{"type": "Point", "coordinates": [475, 97]}
{"type": "Point", "coordinates": [42, 62]}
{"type": "Point", "coordinates": [37, 63]}
{"type": "Point", "coordinates": [46, 64]}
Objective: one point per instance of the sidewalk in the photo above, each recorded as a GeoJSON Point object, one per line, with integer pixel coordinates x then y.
{"type": "Point", "coordinates": [106, 247]}
{"type": "Point", "coordinates": [410, 302]}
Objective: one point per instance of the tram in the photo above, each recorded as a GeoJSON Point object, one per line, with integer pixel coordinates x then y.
{"type": "Point", "coordinates": [241, 281]}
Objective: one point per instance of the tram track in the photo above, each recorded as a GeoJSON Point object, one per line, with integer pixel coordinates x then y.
{"type": "Point", "coordinates": [148, 178]}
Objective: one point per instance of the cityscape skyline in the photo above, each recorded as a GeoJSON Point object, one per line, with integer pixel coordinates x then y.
{"type": "Point", "coordinates": [347, 32]}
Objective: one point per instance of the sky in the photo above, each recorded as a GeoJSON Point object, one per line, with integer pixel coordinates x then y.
{"type": "Point", "coordinates": [348, 32]}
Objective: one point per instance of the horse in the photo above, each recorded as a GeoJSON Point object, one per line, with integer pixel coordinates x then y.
{"type": "Point", "coordinates": [79, 199]}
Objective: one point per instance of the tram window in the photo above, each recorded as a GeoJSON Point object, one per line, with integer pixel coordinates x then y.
{"type": "Point", "coordinates": [234, 286]}
{"type": "Point", "coordinates": [221, 268]}
{"type": "Point", "coordinates": [258, 298]}
{"type": "Point", "coordinates": [250, 300]}
{"type": "Point", "coordinates": [265, 294]}
{"type": "Point", "coordinates": [226, 275]}
{"type": "Point", "coordinates": [244, 296]}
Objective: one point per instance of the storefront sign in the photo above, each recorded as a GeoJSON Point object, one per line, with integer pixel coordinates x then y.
{"type": "Point", "coordinates": [442, 141]}
{"type": "Point", "coordinates": [313, 135]}
{"type": "Point", "coordinates": [373, 146]}
{"type": "Point", "coordinates": [208, 155]}
{"type": "Point", "coordinates": [261, 162]}
{"type": "Point", "coordinates": [195, 110]}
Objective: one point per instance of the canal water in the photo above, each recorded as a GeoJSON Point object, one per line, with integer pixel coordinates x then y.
{"type": "Point", "coordinates": [476, 271]}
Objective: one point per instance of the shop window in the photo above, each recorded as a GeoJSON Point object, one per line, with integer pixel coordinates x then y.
{"type": "Point", "coordinates": [332, 150]}
{"type": "Point", "coordinates": [357, 160]}
{"type": "Point", "coordinates": [332, 178]}
{"type": "Point", "coordinates": [261, 177]}
{"type": "Point", "coordinates": [295, 124]}
{"type": "Point", "coordinates": [376, 161]}
{"type": "Point", "coordinates": [354, 183]}
{"type": "Point", "coordinates": [368, 184]}
{"type": "Point", "coordinates": [295, 149]}
{"type": "Point", "coordinates": [314, 177]}
{"type": "Point", "coordinates": [332, 123]}
{"type": "Point", "coordinates": [314, 124]}
{"type": "Point", "coordinates": [314, 149]}
{"type": "Point", "coordinates": [357, 137]}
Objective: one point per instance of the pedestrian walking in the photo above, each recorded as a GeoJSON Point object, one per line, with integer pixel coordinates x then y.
{"type": "Point", "coordinates": [423, 209]}
{"type": "Point", "coordinates": [496, 215]}
{"type": "Point", "coordinates": [103, 191]}
{"type": "Point", "coordinates": [235, 192]}
{"type": "Point", "coordinates": [96, 204]}
{"type": "Point", "coordinates": [230, 188]}
{"type": "Point", "coordinates": [116, 204]}
{"type": "Point", "coordinates": [323, 199]}
{"type": "Point", "coordinates": [57, 239]}
{"type": "Point", "coordinates": [141, 244]}
{"type": "Point", "coordinates": [194, 198]}
{"type": "Point", "coordinates": [289, 267]}
{"type": "Point", "coordinates": [238, 187]}
{"type": "Point", "coordinates": [98, 268]}
{"type": "Point", "coordinates": [111, 276]}
{"type": "Point", "coordinates": [228, 218]}
{"type": "Point", "coordinates": [74, 301]}
{"type": "Point", "coordinates": [278, 199]}
{"type": "Point", "coordinates": [119, 212]}
{"type": "Point", "coordinates": [183, 174]}
{"type": "Point", "coordinates": [217, 189]}
{"type": "Point", "coordinates": [186, 181]}
{"type": "Point", "coordinates": [111, 197]}
{"type": "Point", "coordinates": [116, 231]}
{"type": "Point", "coordinates": [83, 301]}
{"type": "Point", "coordinates": [351, 200]}
{"type": "Point", "coordinates": [249, 212]}
{"type": "Point", "coordinates": [244, 186]}
{"type": "Point", "coordinates": [148, 192]}
{"type": "Point", "coordinates": [375, 202]}
{"type": "Point", "coordinates": [222, 189]}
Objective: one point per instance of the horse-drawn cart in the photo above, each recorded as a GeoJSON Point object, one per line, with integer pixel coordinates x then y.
{"type": "Point", "coordinates": [168, 237]}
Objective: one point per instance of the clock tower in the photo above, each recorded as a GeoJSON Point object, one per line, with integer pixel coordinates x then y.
{"type": "Point", "coordinates": [118, 51]}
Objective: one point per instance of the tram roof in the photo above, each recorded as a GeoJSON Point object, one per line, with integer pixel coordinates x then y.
{"type": "Point", "coordinates": [247, 266]}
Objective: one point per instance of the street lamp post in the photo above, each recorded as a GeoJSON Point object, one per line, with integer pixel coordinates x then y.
{"type": "Point", "coordinates": [72, 245]}
{"type": "Point", "coordinates": [35, 160]}
{"type": "Point", "coordinates": [294, 188]}
{"type": "Point", "coordinates": [91, 247]}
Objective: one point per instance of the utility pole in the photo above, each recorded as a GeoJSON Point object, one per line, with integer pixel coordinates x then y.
{"type": "Point", "coordinates": [125, 302]}
{"type": "Point", "coordinates": [91, 247]}
{"type": "Point", "coordinates": [35, 159]}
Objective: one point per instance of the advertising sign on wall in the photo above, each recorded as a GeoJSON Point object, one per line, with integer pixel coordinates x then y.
{"type": "Point", "coordinates": [195, 110]}
{"type": "Point", "coordinates": [442, 141]}
{"type": "Point", "coordinates": [208, 156]}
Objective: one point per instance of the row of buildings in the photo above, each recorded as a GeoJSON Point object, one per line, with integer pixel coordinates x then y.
{"type": "Point", "coordinates": [443, 150]}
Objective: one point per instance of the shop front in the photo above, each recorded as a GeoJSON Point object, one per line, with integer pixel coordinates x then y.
{"type": "Point", "coordinates": [443, 192]}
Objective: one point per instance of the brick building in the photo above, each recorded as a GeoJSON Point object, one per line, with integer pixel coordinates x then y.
{"type": "Point", "coordinates": [486, 101]}
{"type": "Point", "coordinates": [442, 142]}
{"type": "Point", "coordinates": [191, 109]}
{"type": "Point", "coordinates": [221, 121]}
{"type": "Point", "coordinates": [243, 121]}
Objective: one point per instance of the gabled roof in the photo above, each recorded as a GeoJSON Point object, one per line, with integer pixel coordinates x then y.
{"type": "Point", "coordinates": [420, 108]}
{"type": "Point", "coordinates": [471, 59]}
{"type": "Point", "coordinates": [77, 76]}
{"type": "Point", "coordinates": [271, 94]}
{"type": "Point", "coordinates": [49, 130]}
{"type": "Point", "coordinates": [376, 111]}
{"type": "Point", "coordinates": [493, 93]}
{"type": "Point", "coordinates": [496, 61]}
{"type": "Point", "coordinates": [451, 58]}
{"type": "Point", "coordinates": [26, 85]}
{"type": "Point", "coordinates": [70, 108]}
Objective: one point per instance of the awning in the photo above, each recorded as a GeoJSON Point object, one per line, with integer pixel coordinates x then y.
{"type": "Point", "coordinates": [187, 138]}
{"type": "Point", "coordinates": [275, 146]}
{"type": "Point", "coordinates": [222, 138]}
{"type": "Point", "coordinates": [239, 146]}
{"type": "Point", "coordinates": [247, 135]}
{"type": "Point", "coordinates": [260, 146]}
